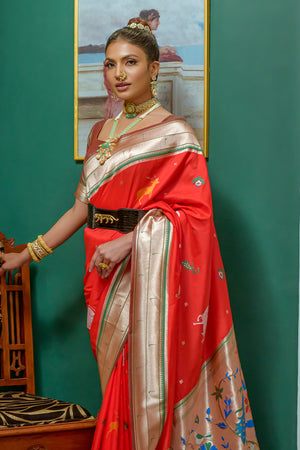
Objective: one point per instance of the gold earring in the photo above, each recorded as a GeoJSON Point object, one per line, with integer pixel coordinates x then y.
{"type": "Point", "coordinates": [123, 75]}
{"type": "Point", "coordinates": [154, 87]}
{"type": "Point", "coordinates": [114, 97]}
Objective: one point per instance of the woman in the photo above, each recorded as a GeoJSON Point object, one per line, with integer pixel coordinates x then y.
{"type": "Point", "coordinates": [158, 309]}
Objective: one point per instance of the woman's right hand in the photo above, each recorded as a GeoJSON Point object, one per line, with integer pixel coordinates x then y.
{"type": "Point", "coordinates": [111, 253]}
{"type": "Point", "coordinates": [11, 261]}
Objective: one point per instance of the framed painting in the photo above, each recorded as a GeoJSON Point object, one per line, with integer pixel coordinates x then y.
{"type": "Point", "coordinates": [182, 34]}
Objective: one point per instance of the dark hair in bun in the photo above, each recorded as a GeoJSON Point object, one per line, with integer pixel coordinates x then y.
{"type": "Point", "coordinates": [140, 35]}
{"type": "Point", "coordinates": [149, 14]}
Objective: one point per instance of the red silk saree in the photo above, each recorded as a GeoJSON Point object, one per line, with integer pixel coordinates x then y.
{"type": "Point", "coordinates": [160, 325]}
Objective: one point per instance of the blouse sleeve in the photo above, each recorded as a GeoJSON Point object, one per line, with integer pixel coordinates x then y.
{"type": "Point", "coordinates": [81, 193]}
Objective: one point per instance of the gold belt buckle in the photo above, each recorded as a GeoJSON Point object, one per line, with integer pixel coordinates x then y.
{"type": "Point", "coordinates": [105, 218]}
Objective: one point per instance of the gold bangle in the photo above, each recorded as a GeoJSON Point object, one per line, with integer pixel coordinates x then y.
{"type": "Point", "coordinates": [38, 249]}
{"type": "Point", "coordinates": [44, 245]}
{"type": "Point", "coordinates": [32, 254]}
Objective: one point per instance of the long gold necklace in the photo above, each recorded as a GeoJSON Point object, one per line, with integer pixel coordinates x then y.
{"type": "Point", "coordinates": [104, 150]}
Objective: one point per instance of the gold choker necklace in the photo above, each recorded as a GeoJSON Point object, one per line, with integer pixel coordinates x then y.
{"type": "Point", "coordinates": [131, 110]}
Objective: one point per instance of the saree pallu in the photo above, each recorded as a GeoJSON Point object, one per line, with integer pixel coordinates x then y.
{"type": "Point", "coordinates": [160, 325]}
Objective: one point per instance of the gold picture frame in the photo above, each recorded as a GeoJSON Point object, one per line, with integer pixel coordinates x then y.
{"type": "Point", "coordinates": [88, 104]}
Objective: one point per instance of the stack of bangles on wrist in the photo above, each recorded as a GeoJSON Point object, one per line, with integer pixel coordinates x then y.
{"type": "Point", "coordinates": [38, 249]}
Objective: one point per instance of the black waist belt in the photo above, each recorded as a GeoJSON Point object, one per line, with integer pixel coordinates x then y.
{"type": "Point", "coordinates": [123, 220]}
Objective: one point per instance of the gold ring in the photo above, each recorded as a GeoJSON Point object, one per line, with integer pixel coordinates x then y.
{"type": "Point", "coordinates": [103, 266]}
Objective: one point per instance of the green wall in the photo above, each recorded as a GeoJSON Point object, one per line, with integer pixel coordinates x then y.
{"type": "Point", "coordinates": [38, 180]}
{"type": "Point", "coordinates": [254, 170]}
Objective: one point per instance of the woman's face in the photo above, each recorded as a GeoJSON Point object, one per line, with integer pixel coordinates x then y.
{"type": "Point", "coordinates": [122, 56]}
{"type": "Point", "coordinates": [154, 23]}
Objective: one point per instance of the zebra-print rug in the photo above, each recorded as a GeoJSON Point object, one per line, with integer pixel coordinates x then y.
{"type": "Point", "coordinates": [21, 409]}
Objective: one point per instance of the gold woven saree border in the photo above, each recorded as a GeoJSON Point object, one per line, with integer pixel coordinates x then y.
{"type": "Point", "coordinates": [114, 322]}
{"type": "Point", "coordinates": [148, 362]}
{"type": "Point", "coordinates": [149, 147]}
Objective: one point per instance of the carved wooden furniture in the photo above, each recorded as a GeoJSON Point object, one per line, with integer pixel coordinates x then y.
{"type": "Point", "coordinates": [17, 373]}
{"type": "Point", "coordinates": [16, 346]}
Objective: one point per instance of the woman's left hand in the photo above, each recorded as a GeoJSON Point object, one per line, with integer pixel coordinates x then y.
{"type": "Point", "coordinates": [110, 253]}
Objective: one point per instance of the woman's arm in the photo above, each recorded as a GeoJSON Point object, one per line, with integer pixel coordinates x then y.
{"type": "Point", "coordinates": [64, 228]}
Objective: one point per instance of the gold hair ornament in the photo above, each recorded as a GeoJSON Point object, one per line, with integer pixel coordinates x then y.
{"type": "Point", "coordinates": [140, 26]}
